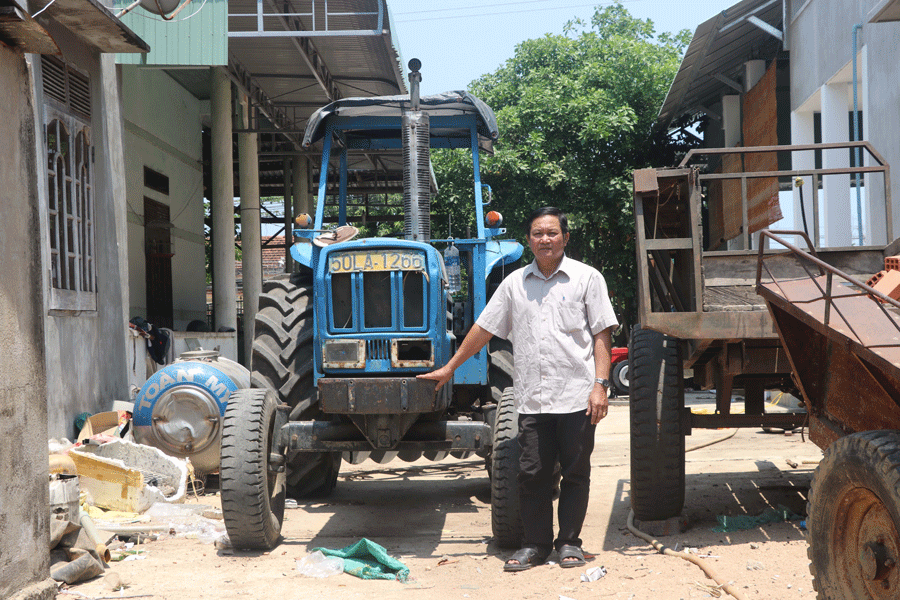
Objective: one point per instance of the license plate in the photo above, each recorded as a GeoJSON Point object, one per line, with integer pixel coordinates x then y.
{"type": "Point", "coordinates": [376, 260]}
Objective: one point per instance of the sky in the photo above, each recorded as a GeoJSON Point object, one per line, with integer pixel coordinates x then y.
{"type": "Point", "coordinates": [460, 40]}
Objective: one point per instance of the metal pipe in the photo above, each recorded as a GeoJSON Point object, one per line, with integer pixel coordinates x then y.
{"type": "Point", "coordinates": [857, 152]}
{"type": "Point", "coordinates": [88, 525]}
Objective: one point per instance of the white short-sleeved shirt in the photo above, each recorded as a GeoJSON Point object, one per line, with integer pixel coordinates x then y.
{"type": "Point", "coordinates": [551, 322]}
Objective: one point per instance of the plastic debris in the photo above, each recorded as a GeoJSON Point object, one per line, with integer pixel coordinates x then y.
{"type": "Point", "coordinates": [593, 574]}
{"type": "Point", "coordinates": [367, 560]}
{"type": "Point", "coordinates": [742, 522]}
{"type": "Point", "coordinates": [316, 564]}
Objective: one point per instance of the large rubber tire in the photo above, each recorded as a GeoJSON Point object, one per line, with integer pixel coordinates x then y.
{"type": "Point", "coordinates": [501, 369]}
{"type": "Point", "coordinates": [854, 518]}
{"type": "Point", "coordinates": [657, 441]}
{"type": "Point", "coordinates": [506, 515]}
{"type": "Point", "coordinates": [283, 361]}
{"type": "Point", "coordinates": [620, 378]}
{"type": "Point", "coordinates": [252, 492]}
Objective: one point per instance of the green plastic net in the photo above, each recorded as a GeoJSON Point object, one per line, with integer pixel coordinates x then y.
{"type": "Point", "coordinates": [367, 560]}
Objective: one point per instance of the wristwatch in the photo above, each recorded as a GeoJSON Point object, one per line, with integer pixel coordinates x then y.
{"type": "Point", "coordinates": [604, 382]}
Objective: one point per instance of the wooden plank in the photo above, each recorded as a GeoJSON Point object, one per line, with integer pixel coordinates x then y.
{"type": "Point", "coordinates": [670, 244]}
{"type": "Point", "coordinates": [755, 324]}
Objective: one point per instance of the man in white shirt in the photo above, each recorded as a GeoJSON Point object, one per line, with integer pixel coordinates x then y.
{"type": "Point", "coordinates": [557, 314]}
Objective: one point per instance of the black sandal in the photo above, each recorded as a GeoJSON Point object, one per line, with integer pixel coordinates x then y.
{"type": "Point", "coordinates": [574, 554]}
{"type": "Point", "coordinates": [526, 558]}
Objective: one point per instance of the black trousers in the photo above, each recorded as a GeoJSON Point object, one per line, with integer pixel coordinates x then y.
{"type": "Point", "coordinates": [546, 439]}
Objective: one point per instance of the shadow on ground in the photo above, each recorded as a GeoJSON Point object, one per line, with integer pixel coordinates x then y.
{"type": "Point", "coordinates": [708, 495]}
{"type": "Point", "coordinates": [386, 505]}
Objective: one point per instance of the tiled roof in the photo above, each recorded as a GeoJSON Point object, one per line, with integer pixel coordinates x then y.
{"type": "Point", "coordinates": [272, 258]}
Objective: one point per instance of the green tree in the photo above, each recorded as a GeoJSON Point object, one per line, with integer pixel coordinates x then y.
{"type": "Point", "coordinates": [577, 114]}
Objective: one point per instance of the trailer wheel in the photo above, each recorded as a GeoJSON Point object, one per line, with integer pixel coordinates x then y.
{"type": "Point", "coordinates": [506, 516]}
{"type": "Point", "coordinates": [620, 379]}
{"type": "Point", "coordinates": [252, 489]}
{"type": "Point", "coordinates": [854, 518]}
{"type": "Point", "coordinates": [283, 361]}
{"type": "Point", "coordinates": [657, 441]}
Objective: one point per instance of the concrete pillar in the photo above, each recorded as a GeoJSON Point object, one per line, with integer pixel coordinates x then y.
{"type": "Point", "coordinates": [224, 285]}
{"type": "Point", "coordinates": [836, 217]}
{"type": "Point", "coordinates": [288, 215]}
{"type": "Point", "coordinates": [753, 72]}
{"type": "Point", "coordinates": [251, 242]}
{"type": "Point", "coordinates": [731, 120]}
{"type": "Point", "coordinates": [731, 131]}
{"type": "Point", "coordinates": [802, 133]}
{"type": "Point", "coordinates": [875, 223]}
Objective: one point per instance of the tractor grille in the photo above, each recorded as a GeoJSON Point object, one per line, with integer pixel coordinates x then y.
{"type": "Point", "coordinates": [378, 349]}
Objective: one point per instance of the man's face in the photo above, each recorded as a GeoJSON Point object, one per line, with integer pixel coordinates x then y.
{"type": "Point", "coordinates": [547, 240]}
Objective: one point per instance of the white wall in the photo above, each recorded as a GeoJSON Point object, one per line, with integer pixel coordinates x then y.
{"type": "Point", "coordinates": [821, 80]}
{"type": "Point", "coordinates": [163, 132]}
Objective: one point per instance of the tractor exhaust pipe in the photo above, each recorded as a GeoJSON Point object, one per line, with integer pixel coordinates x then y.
{"type": "Point", "coordinates": [416, 163]}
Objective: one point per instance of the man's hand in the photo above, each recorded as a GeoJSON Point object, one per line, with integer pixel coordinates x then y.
{"type": "Point", "coordinates": [598, 404]}
{"type": "Point", "coordinates": [441, 376]}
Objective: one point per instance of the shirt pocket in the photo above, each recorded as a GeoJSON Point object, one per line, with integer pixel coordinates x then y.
{"type": "Point", "coordinates": [571, 316]}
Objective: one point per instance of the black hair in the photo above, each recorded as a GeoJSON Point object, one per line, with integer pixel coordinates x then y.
{"type": "Point", "coordinates": [543, 212]}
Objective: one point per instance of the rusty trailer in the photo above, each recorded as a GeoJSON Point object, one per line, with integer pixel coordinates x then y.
{"type": "Point", "coordinates": [698, 311]}
{"type": "Point", "coordinates": [842, 338]}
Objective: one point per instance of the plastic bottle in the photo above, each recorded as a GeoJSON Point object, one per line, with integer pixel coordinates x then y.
{"type": "Point", "coordinates": [318, 565]}
{"type": "Point", "coordinates": [451, 262]}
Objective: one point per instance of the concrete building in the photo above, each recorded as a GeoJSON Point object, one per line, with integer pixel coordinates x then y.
{"type": "Point", "coordinates": [61, 297]}
{"type": "Point", "coordinates": [828, 60]}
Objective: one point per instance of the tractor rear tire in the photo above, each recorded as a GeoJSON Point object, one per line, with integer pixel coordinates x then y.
{"type": "Point", "coordinates": [283, 361]}
{"type": "Point", "coordinates": [657, 438]}
{"type": "Point", "coordinates": [252, 489]}
{"type": "Point", "coordinates": [854, 518]}
{"type": "Point", "coordinates": [506, 515]}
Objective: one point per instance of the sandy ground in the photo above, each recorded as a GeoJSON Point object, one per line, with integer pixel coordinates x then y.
{"type": "Point", "coordinates": [435, 517]}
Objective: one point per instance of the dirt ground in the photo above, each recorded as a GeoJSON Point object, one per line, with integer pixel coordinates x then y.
{"type": "Point", "coordinates": [435, 517]}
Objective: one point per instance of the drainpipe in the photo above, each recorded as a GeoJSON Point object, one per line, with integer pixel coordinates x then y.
{"type": "Point", "coordinates": [857, 151]}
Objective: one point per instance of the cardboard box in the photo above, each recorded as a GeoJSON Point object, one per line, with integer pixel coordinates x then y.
{"type": "Point", "coordinates": [108, 423]}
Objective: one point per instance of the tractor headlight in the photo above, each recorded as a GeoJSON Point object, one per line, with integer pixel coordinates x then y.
{"type": "Point", "coordinates": [344, 354]}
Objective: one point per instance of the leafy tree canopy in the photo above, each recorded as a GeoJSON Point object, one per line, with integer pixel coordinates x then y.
{"type": "Point", "coordinates": [577, 114]}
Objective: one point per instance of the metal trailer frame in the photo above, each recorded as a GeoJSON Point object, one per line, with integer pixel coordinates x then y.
{"type": "Point", "coordinates": [842, 338]}
{"type": "Point", "coordinates": [725, 346]}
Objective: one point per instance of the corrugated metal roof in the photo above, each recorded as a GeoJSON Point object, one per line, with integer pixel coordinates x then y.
{"type": "Point", "coordinates": [721, 46]}
{"type": "Point", "coordinates": [359, 64]}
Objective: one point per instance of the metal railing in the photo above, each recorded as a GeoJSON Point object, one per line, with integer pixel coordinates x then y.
{"type": "Point", "coordinates": [857, 322]}
{"type": "Point", "coordinates": [815, 174]}
{"type": "Point", "coordinates": [314, 23]}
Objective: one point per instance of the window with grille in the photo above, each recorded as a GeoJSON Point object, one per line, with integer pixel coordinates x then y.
{"type": "Point", "coordinates": [70, 192]}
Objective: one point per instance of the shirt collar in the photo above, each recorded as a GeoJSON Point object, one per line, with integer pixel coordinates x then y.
{"type": "Point", "coordinates": [532, 269]}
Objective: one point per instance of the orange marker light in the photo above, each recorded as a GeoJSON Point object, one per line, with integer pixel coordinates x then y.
{"type": "Point", "coordinates": [493, 219]}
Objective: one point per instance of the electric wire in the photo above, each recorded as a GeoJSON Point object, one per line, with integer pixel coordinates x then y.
{"type": "Point", "coordinates": [505, 12]}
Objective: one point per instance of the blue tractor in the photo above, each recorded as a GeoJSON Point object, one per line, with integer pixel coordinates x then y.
{"type": "Point", "coordinates": [338, 344]}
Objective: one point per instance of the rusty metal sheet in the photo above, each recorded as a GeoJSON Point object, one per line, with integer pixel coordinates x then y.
{"type": "Point", "coordinates": [645, 181]}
